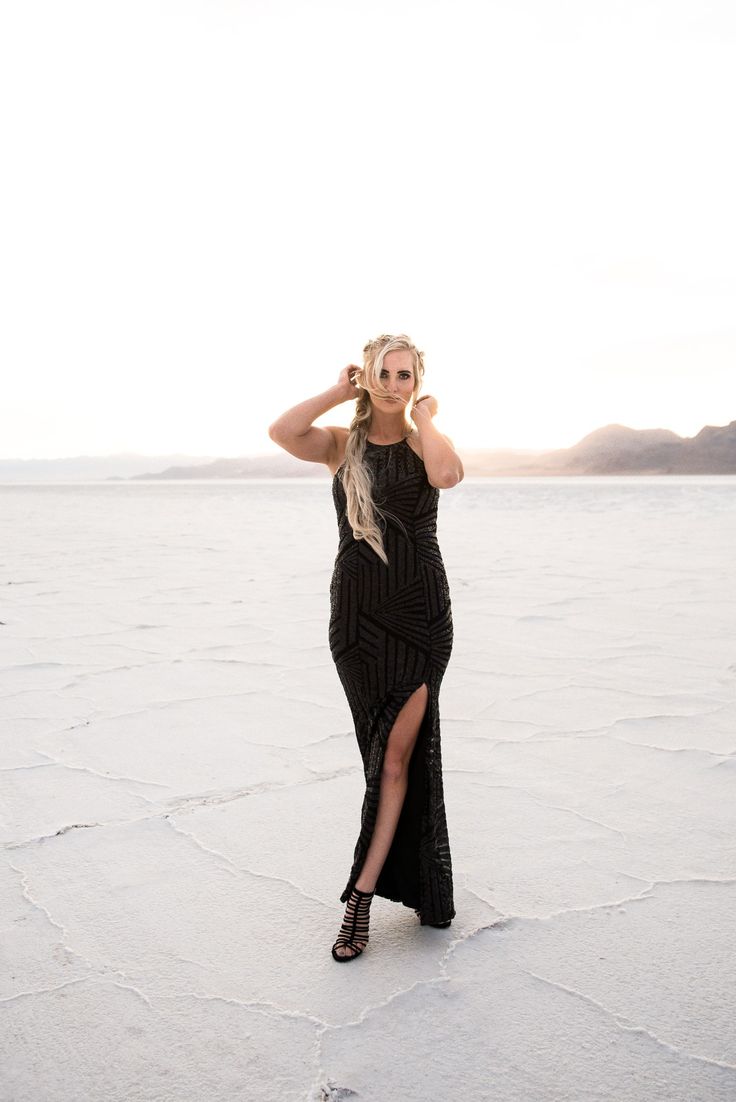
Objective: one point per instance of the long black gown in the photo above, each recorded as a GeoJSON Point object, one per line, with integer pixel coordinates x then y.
{"type": "Point", "coordinates": [390, 631]}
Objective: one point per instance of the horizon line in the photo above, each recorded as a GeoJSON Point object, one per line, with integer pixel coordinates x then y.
{"type": "Point", "coordinates": [276, 450]}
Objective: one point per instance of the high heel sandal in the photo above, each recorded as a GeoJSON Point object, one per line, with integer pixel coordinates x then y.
{"type": "Point", "coordinates": [354, 925]}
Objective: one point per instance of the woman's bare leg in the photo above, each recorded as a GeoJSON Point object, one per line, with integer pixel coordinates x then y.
{"type": "Point", "coordinates": [394, 782]}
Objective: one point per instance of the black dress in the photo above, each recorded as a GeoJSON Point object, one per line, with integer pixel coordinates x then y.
{"type": "Point", "coordinates": [390, 631]}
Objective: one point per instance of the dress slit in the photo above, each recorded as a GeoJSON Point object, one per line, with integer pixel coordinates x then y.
{"type": "Point", "coordinates": [410, 874]}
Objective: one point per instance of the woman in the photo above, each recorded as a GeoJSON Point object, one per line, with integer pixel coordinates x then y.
{"type": "Point", "coordinates": [390, 628]}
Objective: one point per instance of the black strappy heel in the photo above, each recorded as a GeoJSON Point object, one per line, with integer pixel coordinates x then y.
{"type": "Point", "coordinates": [355, 924]}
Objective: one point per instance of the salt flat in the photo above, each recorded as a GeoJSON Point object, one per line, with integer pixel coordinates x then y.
{"type": "Point", "coordinates": [181, 790]}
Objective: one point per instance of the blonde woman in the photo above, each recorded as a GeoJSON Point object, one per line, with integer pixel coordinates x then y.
{"type": "Point", "coordinates": [390, 629]}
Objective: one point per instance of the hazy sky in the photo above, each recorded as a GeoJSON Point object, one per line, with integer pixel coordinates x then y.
{"type": "Point", "coordinates": [209, 207]}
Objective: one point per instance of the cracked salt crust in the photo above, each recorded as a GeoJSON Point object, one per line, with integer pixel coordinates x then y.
{"type": "Point", "coordinates": [180, 789]}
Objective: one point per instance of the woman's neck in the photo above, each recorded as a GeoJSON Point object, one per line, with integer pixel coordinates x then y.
{"type": "Point", "coordinates": [387, 429]}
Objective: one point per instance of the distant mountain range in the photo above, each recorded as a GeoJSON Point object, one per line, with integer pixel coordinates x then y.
{"type": "Point", "coordinates": [93, 468]}
{"type": "Point", "coordinates": [612, 450]}
{"type": "Point", "coordinates": [616, 449]}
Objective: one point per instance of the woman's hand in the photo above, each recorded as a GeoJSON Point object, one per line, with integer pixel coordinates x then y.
{"type": "Point", "coordinates": [426, 406]}
{"type": "Point", "coordinates": [349, 389]}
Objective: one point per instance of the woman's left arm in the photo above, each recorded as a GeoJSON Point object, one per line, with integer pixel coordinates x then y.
{"type": "Point", "coordinates": [442, 463]}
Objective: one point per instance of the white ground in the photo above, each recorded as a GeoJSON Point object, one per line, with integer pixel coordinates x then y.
{"type": "Point", "coordinates": [180, 797]}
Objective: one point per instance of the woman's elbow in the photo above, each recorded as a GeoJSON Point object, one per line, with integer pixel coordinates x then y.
{"type": "Point", "coordinates": [448, 479]}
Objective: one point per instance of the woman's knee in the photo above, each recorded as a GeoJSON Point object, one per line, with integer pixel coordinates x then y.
{"type": "Point", "coordinates": [395, 767]}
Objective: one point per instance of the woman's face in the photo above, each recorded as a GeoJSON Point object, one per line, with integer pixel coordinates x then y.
{"type": "Point", "coordinates": [397, 375]}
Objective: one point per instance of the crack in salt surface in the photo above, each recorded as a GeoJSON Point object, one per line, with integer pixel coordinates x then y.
{"type": "Point", "coordinates": [516, 919]}
{"type": "Point", "coordinates": [26, 893]}
{"type": "Point", "coordinates": [265, 1008]}
{"type": "Point", "coordinates": [75, 826]}
{"type": "Point", "coordinates": [606, 732]}
{"type": "Point", "coordinates": [154, 705]}
{"type": "Point", "coordinates": [627, 1026]}
{"type": "Point", "coordinates": [190, 802]}
{"type": "Point", "coordinates": [186, 804]}
{"type": "Point", "coordinates": [23, 768]}
{"type": "Point", "coordinates": [640, 897]}
{"type": "Point", "coordinates": [324, 738]}
{"type": "Point", "coordinates": [300, 746]}
{"type": "Point", "coordinates": [332, 774]}
{"type": "Point", "coordinates": [539, 800]}
{"type": "Point", "coordinates": [43, 990]}
{"type": "Point", "coordinates": [95, 773]}
{"type": "Point", "coordinates": [666, 749]}
{"type": "Point", "coordinates": [105, 974]}
{"type": "Point", "coordinates": [298, 699]}
{"type": "Point", "coordinates": [618, 690]}
{"type": "Point", "coordinates": [697, 880]}
{"type": "Point", "coordinates": [231, 865]}
{"type": "Point", "coordinates": [129, 987]}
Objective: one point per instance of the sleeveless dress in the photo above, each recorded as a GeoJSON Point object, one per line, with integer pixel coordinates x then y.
{"type": "Point", "coordinates": [390, 631]}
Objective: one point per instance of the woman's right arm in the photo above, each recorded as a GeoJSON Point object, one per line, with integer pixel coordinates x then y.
{"type": "Point", "coordinates": [294, 432]}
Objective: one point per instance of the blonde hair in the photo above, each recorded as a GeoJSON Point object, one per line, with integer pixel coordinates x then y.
{"type": "Point", "coordinates": [362, 512]}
